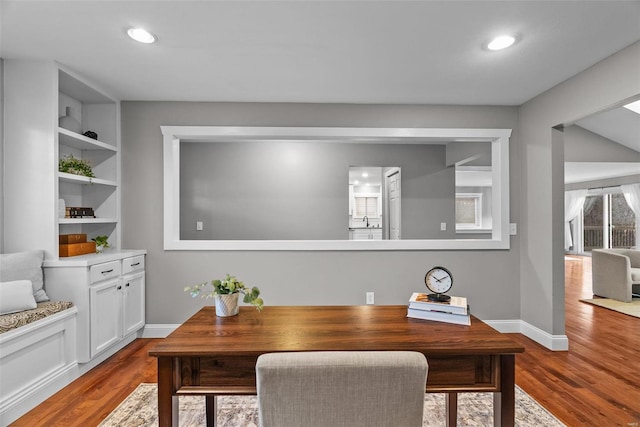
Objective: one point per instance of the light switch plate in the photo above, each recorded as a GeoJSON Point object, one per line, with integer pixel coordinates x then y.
{"type": "Point", "coordinates": [199, 226]}
{"type": "Point", "coordinates": [443, 226]}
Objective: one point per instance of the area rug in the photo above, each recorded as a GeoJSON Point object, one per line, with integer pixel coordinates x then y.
{"type": "Point", "coordinates": [631, 308]}
{"type": "Point", "coordinates": [140, 408]}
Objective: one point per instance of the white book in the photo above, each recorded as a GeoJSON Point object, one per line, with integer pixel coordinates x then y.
{"type": "Point", "coordinates": [456, 305]}
{"type": "Point", "coordinates": [458, 319]}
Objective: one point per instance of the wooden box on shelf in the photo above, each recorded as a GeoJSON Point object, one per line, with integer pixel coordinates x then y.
{"type": "Point", "coordinates": [74, 249]}
{"type": "Point", "coordinates": [72, 238]}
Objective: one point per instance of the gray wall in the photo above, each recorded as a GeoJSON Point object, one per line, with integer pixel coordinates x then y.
{"type": "Point", "coordinates": [299, 190]}
{"type": "Point", "coordinates": [581, 145]}
{"type": "Point", "coordinates": [541, 164]}
{"type": "Point", "coordinates": [306, 277]}
{"type": "Point", "coordinates": [2, 154]}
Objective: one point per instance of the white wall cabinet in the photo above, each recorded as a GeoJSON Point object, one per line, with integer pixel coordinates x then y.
{"type": "Point", "coordinates": [109, 291]}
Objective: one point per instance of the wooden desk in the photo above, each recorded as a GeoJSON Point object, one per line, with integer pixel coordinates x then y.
{"type": "Point", "coordinates": [211, 355]}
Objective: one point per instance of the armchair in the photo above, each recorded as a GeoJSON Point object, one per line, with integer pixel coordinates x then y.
{"type": "Point", "coordinates": [615, 273]}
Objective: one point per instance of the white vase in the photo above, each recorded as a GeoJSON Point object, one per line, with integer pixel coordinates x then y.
{"type": "Point", "coordinates": [227, 305]}
{"type": "Point", "coordinates": [69, 122]}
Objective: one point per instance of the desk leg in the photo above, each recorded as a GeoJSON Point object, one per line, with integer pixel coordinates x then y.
{"type": "Point", "coordinates": [504, 403]}
{"type": "Point", "coordinates": [167, 402]}
{"type": "Point", "coordinates": [451, 401]}
{"type": "Point", "coordinates": [210, 402]}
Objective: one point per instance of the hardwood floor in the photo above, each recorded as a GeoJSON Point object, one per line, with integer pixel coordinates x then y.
{"type": "Point", "coordinates": [595, 383]}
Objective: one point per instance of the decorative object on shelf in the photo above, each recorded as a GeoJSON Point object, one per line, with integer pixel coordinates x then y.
{"type": "Point", "coordinates": [75, 166]}
{"type": "Point", "coordinates": [91, 134]}
{"type": "Point", "coordinates": [75, 244]}
{"type": "Point", "coordinates": [223, 291]}
{"type": "Point", "coordinates": [438, 280]}
{"type": "Point", "coordinates": [101, 243]}
{"type": "Point", "coordinates": [68, 121]}
{"type": "Point", "coordinates": [78, 213]}
{"type": "Point", "coordinates": [64, 239]}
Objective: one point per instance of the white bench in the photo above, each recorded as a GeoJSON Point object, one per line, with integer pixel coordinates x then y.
{"type": "Point", "coordinates": [37, 357]}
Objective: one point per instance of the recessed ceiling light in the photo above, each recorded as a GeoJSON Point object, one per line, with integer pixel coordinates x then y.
{"type": "Point", "coordinates": [141, 35]}
{"type": "Point", "coordinates": [364, 174]}
{"type": "Point", "coordinates": [634, 106]}
{"type": "Point", "coordinates": [501, 42]}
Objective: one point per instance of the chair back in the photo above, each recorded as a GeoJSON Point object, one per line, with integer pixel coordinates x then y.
{"type": "Point", "coordinates": [343, 388]}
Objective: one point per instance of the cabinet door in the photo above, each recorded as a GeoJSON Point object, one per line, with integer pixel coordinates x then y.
{"type": "Point", "coordinates": [106, 316]}
{"type": "Point", "coordinates": [133, 287]}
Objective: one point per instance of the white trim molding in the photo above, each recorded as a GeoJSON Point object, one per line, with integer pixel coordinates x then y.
{"type": "Point", "coordinates": [174, 135]}
{"type": "Point", "coordinates": [552, 342]}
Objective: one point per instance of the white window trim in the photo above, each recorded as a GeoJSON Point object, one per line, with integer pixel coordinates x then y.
{"type": "Point", "coordinates": [173, 135]}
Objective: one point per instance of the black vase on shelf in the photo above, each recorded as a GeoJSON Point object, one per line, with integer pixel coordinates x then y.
{"type": "Point", "coordinates": [69, 122]}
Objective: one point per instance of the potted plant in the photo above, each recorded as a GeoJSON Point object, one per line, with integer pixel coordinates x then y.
{"type": "Point", "coordinates": [73, 165]}
{"type": "Point", "coordinates": [226, 292]}
{"type": "Point", "coordinates": [101, 243]}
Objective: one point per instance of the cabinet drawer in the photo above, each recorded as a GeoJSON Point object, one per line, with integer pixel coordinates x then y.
{"type": "Point", "coordinates": [104, 271]}
{"type": "Point", "coordinates": [132, 264]}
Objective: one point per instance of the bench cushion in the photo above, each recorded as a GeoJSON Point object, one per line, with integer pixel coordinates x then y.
{"type": "Point", "coordinates": [44, 309]}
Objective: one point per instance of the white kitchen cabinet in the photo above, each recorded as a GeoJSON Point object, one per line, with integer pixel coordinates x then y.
{"type": "Point", "coordinates": [109, 291]}
{"type": "Point", "coordinates": [367, 234]}
{"type": "Point", "coordinates": [133, 293]}
{"type": "Point", "coordinates": [105, 300]}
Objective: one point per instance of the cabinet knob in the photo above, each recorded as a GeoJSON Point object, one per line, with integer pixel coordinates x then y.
{"type": "Point", "coordinates": [119, 287]}
{"type": "Point", "coordinates": [127, 285]}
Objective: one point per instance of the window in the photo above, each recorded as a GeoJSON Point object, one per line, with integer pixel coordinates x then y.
{"type": "Point", "coordinates": [366, 206]}
{"type": "Point", "coordinates": [468, 211]}
{"type": "Point", "coordinates": [608, 221]}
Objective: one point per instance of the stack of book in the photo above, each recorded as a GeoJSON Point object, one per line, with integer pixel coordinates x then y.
{"type": "Point", "coordinates": [456, 310]}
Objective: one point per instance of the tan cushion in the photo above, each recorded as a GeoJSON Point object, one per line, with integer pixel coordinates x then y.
{"type": "Point", "coordinates": [635, 275]}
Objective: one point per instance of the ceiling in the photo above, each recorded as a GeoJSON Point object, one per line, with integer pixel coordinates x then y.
{"type": "Point", "coordinates": [406, 52]}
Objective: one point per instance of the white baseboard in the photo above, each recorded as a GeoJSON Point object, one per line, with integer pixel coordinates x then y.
{"type": "Point", "coordinates": [552, 342]}
{"type": "Point", "coordinates": [158, 330]}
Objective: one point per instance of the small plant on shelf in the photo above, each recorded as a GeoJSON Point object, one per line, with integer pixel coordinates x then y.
{"type": "Point", "coordinates": [101, 243]}
{"type": "Point", "coordinates": [75, 166]}
{"type": "Point", "coordinates": [230, 285]}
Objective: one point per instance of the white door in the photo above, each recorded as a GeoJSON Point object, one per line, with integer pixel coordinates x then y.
{"type": "Point", "coordinates": [392, 178]}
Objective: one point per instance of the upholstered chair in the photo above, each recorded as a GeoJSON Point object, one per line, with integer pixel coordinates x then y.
{"type": "Point", "coordinates": [340, 389]}
{"type": "Point", "coordinates": [615, 273]}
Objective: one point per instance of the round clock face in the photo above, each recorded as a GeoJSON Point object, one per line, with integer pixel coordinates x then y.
{"type": "Point", "coordinates": [438, 280]}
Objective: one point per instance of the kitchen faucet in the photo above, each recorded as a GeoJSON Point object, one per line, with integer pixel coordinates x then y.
{"type": "Point", "coordinates": [366, 218]}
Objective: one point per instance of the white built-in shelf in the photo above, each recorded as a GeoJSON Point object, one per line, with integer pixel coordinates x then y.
{"type": "Point", "coordinates": [63, 221]}
{"type": "Point", "coordinates": [81, 142]}
{"type": "Point", "coordinates": [85, 180]}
